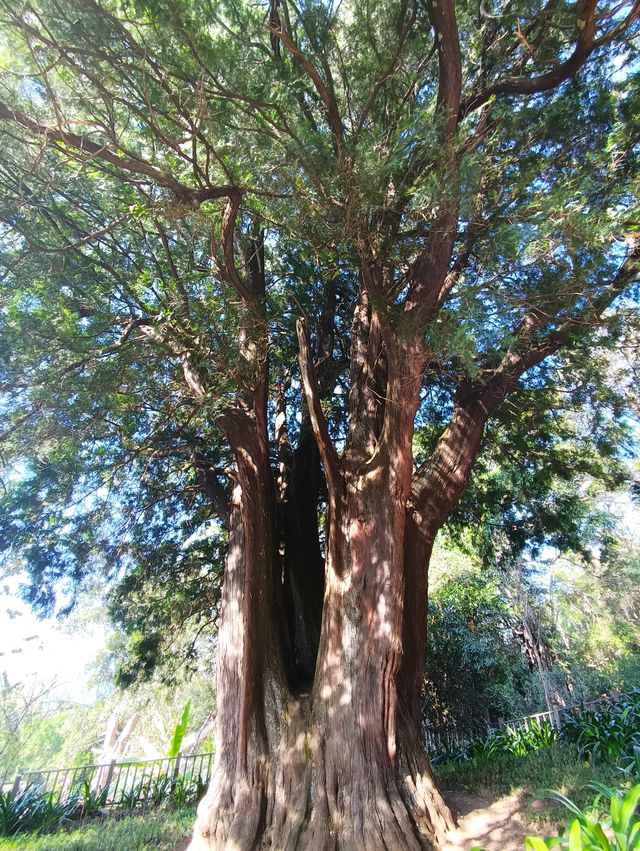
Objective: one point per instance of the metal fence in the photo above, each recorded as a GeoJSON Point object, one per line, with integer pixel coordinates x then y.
{"type": "Point", "coordinates": [151, 778]}
{"type": "Point", "coordinates": [450, 737]}
{"type": "Point", "coordinates": [117, 779]}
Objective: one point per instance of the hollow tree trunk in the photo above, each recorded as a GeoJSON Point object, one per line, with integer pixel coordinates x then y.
{"type": "Point", "coordinates": [340, 767]}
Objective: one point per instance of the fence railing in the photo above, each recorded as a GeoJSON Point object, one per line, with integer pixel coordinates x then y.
{"type": "Point", "coordinates": [119, 778]}
{"type": "Point", "coordinates": [447, 737]}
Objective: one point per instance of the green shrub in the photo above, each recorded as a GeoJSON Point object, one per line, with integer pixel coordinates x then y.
{"type": "Point", "coordinates": [514, 740]}
{"type": "Point", "coordinates": [630, 762]}
{"type": "Point", "coordinates": [93, 802]}
{"type": "Point", "coordinates": [188, 791]}
{"type": "Point", "coordinates": [614, 828]}
{"type": "Point", "coordinates": [610, 733]}
{"type": "Point", "coordinates": [130, 798]}
{"type": "Point", "coordinates": [31, 810]}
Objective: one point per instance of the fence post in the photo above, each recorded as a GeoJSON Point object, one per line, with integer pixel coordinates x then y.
{"type": "Point", "coordinates": [556, 718]}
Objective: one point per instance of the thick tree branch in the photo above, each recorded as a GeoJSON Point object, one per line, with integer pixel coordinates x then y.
{"type": "Point", "coordinates": [449, 66]}
{"type": "Point", "coordinates": [427, 275]}
{"type": "Point", "coordinates": [217, 495]}
{"type": "Point", "coordinates": [133, 165]}
{"type": "Point", "coordinates": [438, 486]}
{"type": "Point", "coordinates": [228, 230]}
{"type": "Point", "coordinates": [586, 43]}
{"type": "Point", "coordinates": [328, 453]}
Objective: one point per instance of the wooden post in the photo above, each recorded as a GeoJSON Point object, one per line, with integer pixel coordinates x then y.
{"type": "Point", "coordinates": [16, 786]}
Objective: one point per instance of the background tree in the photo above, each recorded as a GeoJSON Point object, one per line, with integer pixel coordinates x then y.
{"type": "Point", "coordinates": [438, 203]}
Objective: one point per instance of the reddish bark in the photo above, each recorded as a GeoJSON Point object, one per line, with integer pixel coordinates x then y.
{"type": "Point", "coordinates": [342, 765]}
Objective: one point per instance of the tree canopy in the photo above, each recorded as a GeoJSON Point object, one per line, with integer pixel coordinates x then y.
{"type": "Point", "coordinates": [152, 152]}
{"type": "Point", "coordinates": [271, 276]}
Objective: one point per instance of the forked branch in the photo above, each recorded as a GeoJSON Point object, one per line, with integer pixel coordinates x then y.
{"type": "Point", "coordinates": [328, 453]}
{"type": "Point", "coordinates": [586, 43]}
{"type": "Point", "coordinates": [85, 148]}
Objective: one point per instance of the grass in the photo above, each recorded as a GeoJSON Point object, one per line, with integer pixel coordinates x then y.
{"type": "Point", "coordinates": [535, 774]}
{"type": "Point", "coordinates": [160, 831]}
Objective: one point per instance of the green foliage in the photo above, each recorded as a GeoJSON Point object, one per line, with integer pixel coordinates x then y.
{"type": "Point", "coordinates": [616, 828]}
{"type": "Point", "coordinates": [161, 790]}
{"type": "Point", "coordinates": [39, 729]}
{"type": "Point", "coordinates": [474, 666]}
{"type": "Point", "coordinates": [630, 762]}
{"type": "Point", "coordinates": [134, 833]}
{"type": "Point", "coordinates": [179, 731]}
{"type": "Point", "coordinates": [584, 610]}
{"type": "Point", "coordinates": [611, 733]}
{"type": "Point", "coordinates": [92, 801]}
{"type": "Point", "coordinates": [31, 810]}
{"type": "Point", "coordinates": [519, 741]}
{"type": "Point", "coordinates": [115, 292]}
{"type": "Point", "coordinates": [130, 798]}
{"type": "Point", "coordinates": [188, 790]}
{"type": "Point", "coordinates": [596, 604]}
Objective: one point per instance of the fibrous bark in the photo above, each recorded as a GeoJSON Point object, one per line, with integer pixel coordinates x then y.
{"type": "Point", "coordinates": [339, 764]}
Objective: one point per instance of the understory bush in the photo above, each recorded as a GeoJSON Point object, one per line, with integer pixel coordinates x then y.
{"type": "Point", "coordinates": [611, 733]}
{"type": "Point", "coordinates": [610, 824]}
{"type": "Point", "coordinates": [29, 809]}
{"type": "Point", "coordinates": [519, 741]}
{"type": "Point", "coordinates": [33, 810]}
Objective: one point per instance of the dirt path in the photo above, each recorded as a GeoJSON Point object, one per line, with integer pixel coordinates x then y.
{"type": "Point", "coordinates": [493, 825]}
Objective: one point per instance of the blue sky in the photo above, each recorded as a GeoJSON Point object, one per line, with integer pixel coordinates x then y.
{"type": "Point", "coordinates": [47, 650]}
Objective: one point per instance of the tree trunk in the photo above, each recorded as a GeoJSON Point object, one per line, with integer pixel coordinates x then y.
{"type": "Point", "coordinates": [341, 766]}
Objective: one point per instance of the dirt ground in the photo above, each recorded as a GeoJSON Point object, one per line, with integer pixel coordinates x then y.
{"type": "Point", "coordinates": [492, 825]}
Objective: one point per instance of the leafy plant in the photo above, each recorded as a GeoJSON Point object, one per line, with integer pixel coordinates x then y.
{"type": "Point", "coordinates": [31, 810]}
{"type": "Point", "coordinates": [179, 731]}
{"type": "Point", "coordinates": [92, 801]}
{"type": "Point", "coordinates": [130, 798]}
{"type": "Point", "coordinates": [199, 787]}
{"type": "Point", "coordinates": [188, 791]}
{"type": "Point", "coordinates": [160, 790]}
{"type": "Point", "coordinates": [15, 811]}
{"type": "Point", "coordinates": [609, 733]}
{"type": "Point", "coordinates": [615, 828]}
{"type": "Point", "coordinates": [522, 741]}
{"type": "Point", "coordinates": [519, 741]}
{"type": "Point", "coordinates": [630, 763]}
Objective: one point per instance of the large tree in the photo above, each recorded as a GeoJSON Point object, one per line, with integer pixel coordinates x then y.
{"type": "Point", "coordinates": [426, 207]}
